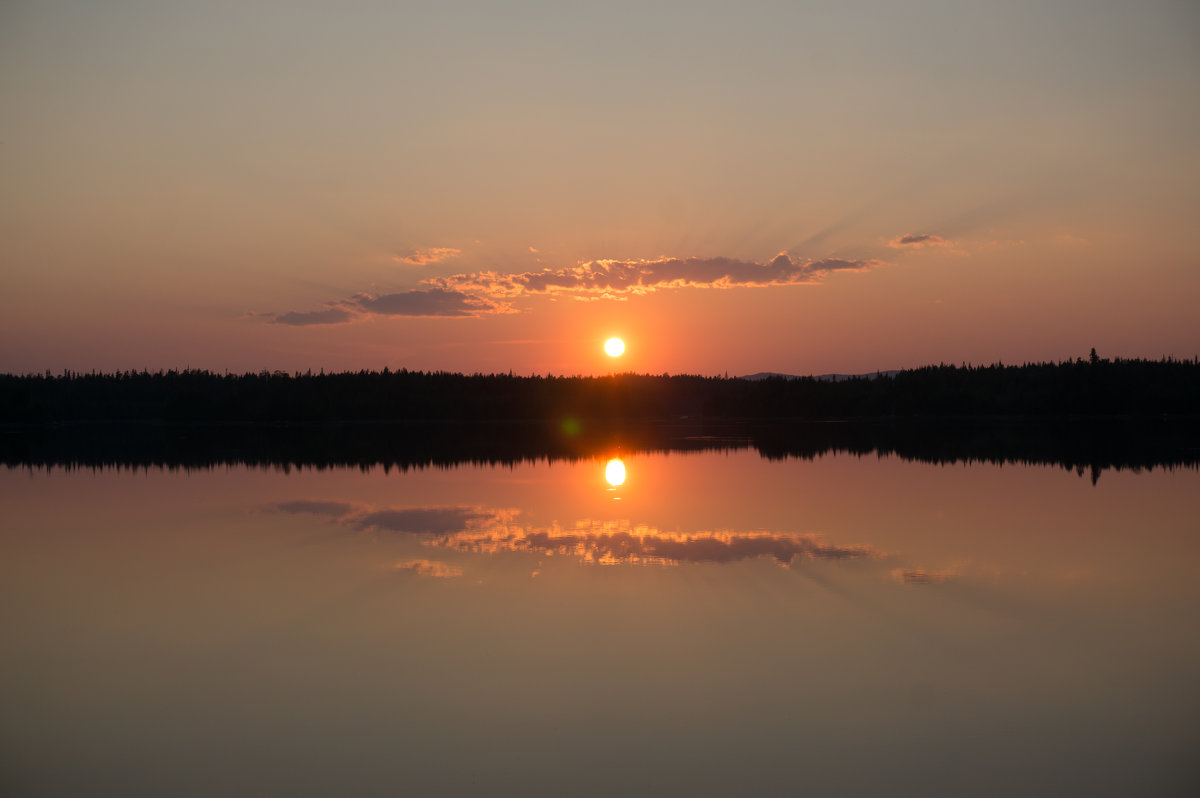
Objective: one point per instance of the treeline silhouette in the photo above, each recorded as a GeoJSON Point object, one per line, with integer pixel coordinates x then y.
{"type": "Point", "coordinates": [1084, 387]}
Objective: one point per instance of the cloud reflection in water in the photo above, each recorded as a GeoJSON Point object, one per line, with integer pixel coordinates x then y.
{"type": "Point", "coordinates": [920, 576]}
{"type": "Point", "coordinates": [617, 542]}
{"type": "Point", "coordinates": [432, 568]}
{"type": "Point", "coordinates": [493, 530]}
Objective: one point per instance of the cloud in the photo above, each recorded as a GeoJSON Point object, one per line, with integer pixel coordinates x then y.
{"type": "Point", "coordinates": [423, 257]}
{"type": "Point", "coordinates": [489, 292]}
{"type": "Point", "coordinates": [418, 302]}
{"type": "Point", "coordinates": [1005, 244]}
{"type": "Point", "coordinates": [429, 302]}
{"type": "Point", "coordinates": [919, 241]}
{"type": "Point", "coordinates": [332, 315]}
{"type": "Point", "coordinates": [614, 278]}
{"type": "Point", "coordinates": [431, 568]}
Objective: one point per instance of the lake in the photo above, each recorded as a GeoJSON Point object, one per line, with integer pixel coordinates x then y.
{"type": "Point", "coordinates": [689, 623]}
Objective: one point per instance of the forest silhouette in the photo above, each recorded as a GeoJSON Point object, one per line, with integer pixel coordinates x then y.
{"type": "Point", "coordinates": [1087, 415]}
{"type": "Point", "coordinates": [1091, 387]}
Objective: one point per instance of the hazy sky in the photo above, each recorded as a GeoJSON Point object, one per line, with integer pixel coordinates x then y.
{"type": "Point", "coordinates": [481, 186]}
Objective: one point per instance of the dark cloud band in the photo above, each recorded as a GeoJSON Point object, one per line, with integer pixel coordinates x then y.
{"type": "Point", "coordinates": [488, 293]}
{"type": "Point", "coordinates": [420, 303]}
{"type": "Point", "coordinates": [624, 277]}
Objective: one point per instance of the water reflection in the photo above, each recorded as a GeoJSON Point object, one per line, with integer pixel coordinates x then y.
{"type": "Point", "coordinates": [972, 630]}
{"type": "Point", "coordinates": [1087, 447]}
{"type": "Point", "coordinates": [614, 472]}
{"type": "Point", "coordinates": [620, 542]}
{"type": "Point", "coordinates": [431, 568]}
{"type": "Point", "coordinates": [414, 520]}
{"type": "Point", "coordinates": [480, 530]}
{"type": "Point", "coordinates": [919, 576]}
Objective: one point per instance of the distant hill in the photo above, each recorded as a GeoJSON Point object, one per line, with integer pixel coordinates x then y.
{"type": "Point", "coordinates": [764, 375]}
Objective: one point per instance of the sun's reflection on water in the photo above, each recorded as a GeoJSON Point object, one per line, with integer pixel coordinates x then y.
{"type": "Point", "coordinates": [614, 473]}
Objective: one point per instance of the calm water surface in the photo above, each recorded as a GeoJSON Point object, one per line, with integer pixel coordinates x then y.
{"type": "Point", "coordinates": [715, 624]}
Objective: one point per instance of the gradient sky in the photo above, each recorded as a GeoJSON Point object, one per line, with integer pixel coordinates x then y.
{"type": "Point", "coordinates": [800, 187]}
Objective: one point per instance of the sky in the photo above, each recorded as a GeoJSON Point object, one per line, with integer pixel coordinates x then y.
{"type": "Point", "coordinates": [797, 187]}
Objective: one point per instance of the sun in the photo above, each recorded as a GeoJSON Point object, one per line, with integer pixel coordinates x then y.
{"type": "Point", "coordinates": [614, 347]}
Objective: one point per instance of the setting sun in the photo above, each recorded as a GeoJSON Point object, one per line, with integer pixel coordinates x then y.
{"type": "Point", "coordinates": [614, 347]}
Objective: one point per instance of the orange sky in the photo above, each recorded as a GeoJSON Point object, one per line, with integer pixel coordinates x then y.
{"type": "Point", "coordinates": [817, 187]}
